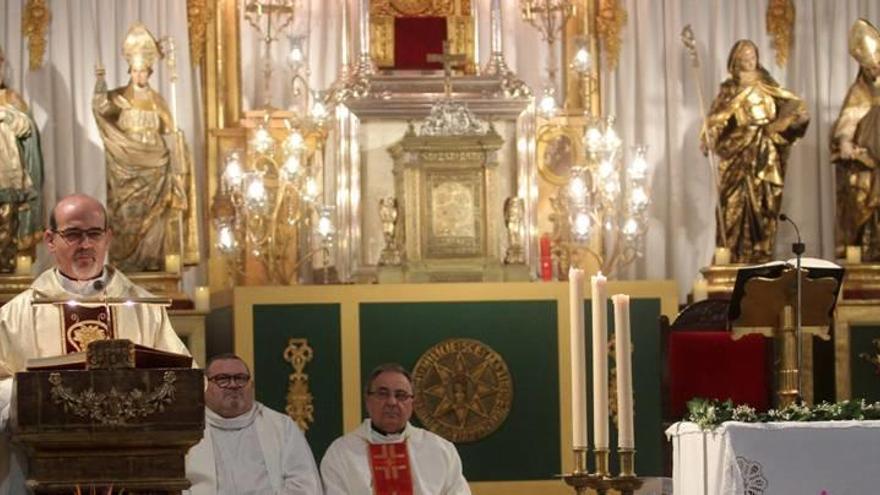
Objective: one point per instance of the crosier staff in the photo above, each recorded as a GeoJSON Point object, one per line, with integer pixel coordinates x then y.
{"type": "Point", "coordinates": [690, 44]}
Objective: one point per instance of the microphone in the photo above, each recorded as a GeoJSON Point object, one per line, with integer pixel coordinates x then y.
{"type": "Point", "coordinates": [798, 247]}
{"type": "Point", "coordinates": [98, 285]}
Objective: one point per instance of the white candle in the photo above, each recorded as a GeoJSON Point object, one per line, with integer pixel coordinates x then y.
{"type": "Point", "coordinates": [578, 359]}
{"type": "Point", "coordinates": [172, 263]}
{"type": "Point", "coordinates": [599, 298]}
{"type": "Point", "coordinates": [23, 264]}
{"type": "Point", "coordinates": [623, 349]}
{"type": "Point", "coordinates": [722, 256]}
{"type": "Point", "coordinates": [853, 254]}
{"type": "Point", "coordinates": [701, 289]}
{"type": "Point", "coordinates": [203, 299]}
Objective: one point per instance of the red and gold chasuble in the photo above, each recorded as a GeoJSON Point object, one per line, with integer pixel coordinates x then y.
{"type": "Point", "coordinates": [83, 325]}
{"type": "Point", "coordinates": [391, 472]}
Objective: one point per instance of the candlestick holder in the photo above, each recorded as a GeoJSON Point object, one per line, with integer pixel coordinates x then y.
{"type": "Point", "coordinates": [626, 483]}
{"type": "Point", "coordinates": [627, 462]}
{"type": "Point", "coordinates": [580, 460]}
{"type": "Point", "coordinates": [600, 456]}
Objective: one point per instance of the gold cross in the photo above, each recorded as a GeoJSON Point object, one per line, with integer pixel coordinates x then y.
{"type": "Point", "coordinates": [448, 60]}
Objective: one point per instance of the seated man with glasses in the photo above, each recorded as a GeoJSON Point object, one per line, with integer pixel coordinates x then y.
{"type": "Point", "coordinates": [386, 454]}
{"type": "Point", "coordinates": [78, 238]}
{"type": "Point", "coordinates": [247, 447]}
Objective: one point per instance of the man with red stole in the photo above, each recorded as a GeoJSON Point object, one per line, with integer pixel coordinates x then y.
{"type": "Point", "coordinates": [387, 455]}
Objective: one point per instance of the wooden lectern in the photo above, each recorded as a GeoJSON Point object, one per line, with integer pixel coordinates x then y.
{"type": "Point", "coordinates": [126, 420]}
{"type": "Point", "coordinates": [765, 301]}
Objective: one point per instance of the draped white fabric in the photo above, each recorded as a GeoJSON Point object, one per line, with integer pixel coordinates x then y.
{"type": "Point", "coordinates": [653, 93]}
{"type": "Point", "coordinates": [82, 33]}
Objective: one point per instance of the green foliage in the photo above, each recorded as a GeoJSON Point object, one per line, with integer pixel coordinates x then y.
{"type": "Point", "coordinates": [710, 413]}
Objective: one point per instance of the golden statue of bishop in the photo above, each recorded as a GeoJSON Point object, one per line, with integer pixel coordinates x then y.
{"type": "Point", "coordinates": [150, 196]}
{"type": "Point", "coordinates": [751, 126]}
{"type": "Point", "coordinates": [855, 149]}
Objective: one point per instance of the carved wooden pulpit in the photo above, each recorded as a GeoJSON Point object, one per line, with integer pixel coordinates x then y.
{"type": "Point", "coordinates": [126, 420]}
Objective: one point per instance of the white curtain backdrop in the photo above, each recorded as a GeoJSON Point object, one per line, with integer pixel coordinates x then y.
{"type": "Point", "coordinates": [653, 93]}
{"type": "Point", "coordinates": [82, 33]}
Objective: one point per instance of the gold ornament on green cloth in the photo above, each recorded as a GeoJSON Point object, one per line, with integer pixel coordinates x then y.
{"type": "Point", "coordinates": [463, 390]}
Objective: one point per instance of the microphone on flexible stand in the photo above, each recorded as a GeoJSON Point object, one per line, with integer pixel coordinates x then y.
{"type": "Point", "coordinates": [798, 249]}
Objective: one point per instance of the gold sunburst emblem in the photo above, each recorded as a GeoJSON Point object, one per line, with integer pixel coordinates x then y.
{"type": "Point", "coordinates": [463, 390]}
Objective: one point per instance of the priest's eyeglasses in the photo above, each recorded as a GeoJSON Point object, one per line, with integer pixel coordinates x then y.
{"type": "Point", "coordinates": [384, 394]}
{"type": "Point", "coordinates": [224, 380]}
{"type": "Point", "coordinates": [77, 236]}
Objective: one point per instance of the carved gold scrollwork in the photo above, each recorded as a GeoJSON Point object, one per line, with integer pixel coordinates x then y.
{"type": "Point", "coordinates": [780, 27]}
{"type": "Point", "coordinates": [300, 406]}
{"type": "Point", "coordinates": [609, 23]}
{"type": "Point", "coordinates": [113, 408]}
{"type": "Point", "coordinates": [34, 24]}
{"type": "Point", "coordinates": [199, 14]}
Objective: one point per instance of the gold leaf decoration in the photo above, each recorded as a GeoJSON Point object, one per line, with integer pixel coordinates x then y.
{"type": "Point", "coordinates": [300, 402]}
{"type": "Point", "coordinates": [609, 23]}
{"type": "Point", "coordinates": [199, 14]}
{"type": "Point", "coordinates": [34, 26]}
{"type": "Point", "coordinates": [780, 27]}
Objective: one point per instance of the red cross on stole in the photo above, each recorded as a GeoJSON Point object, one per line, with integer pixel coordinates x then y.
{"type": "Point", "coordinates": [390, 465]}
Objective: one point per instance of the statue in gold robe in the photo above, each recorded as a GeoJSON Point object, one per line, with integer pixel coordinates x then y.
{"type": "Point", "coordinates": [21, 177]}
{"type": "Point", "coordinates": [751, 127]}
{"type": "Point", "coordinates": [855, 149]}
{"type": "Point", "coordinates": [147, 181]}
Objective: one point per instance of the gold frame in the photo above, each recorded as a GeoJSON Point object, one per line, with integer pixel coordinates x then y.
{"type": "Point", "coordinates": [848, 314]}
{"type": "Point", "coordinates": [549, 134]}
{"type": "Point", "coordinates": [243, 299]}
{"type": "Point", "coordinates": [459, 27]}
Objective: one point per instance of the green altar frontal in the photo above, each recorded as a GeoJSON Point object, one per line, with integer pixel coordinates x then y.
{"type": "Point", "coordinates": [349, 329]}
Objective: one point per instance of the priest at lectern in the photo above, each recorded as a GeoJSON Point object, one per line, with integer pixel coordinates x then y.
{"type": "Point", "coordinates": [78, 238]}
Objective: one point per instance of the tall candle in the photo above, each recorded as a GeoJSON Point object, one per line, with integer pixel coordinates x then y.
{"type": "Point", "coordinates": [853, 254]}
{"type": "Point", "coordinates": [599, 297]}
{"type": "Point", "coordinates": [172, 263]}
{"type": "Point", "coordinates": [23, 264]}
{"type": "Point", "coordinates": [722, 256]}
{"type": "Point", "coordinates": [622, 350]}
{"type": "Point", "coordinates": [578, 358]}
{"type": "Point", "coordinates": [203, 299]}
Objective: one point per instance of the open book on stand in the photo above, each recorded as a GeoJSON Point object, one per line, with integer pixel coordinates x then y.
{"type": "Point", "coordinates": [144, 357]}
{"type": "Point", "coordinates": [816, 268]}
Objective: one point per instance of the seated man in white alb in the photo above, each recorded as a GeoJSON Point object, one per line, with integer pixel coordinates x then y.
{"type": "Point", "coordinates": [247, 448]}
{"type": "Point", "coordinates": [388, 455]}
{"type": "Point", "coordinates": [78, 238]}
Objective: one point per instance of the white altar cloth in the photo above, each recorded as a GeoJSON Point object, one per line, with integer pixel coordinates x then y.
{"type": "Point", "coordinates": [796, 458]}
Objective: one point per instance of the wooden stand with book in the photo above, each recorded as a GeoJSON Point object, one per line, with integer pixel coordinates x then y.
{"type": "Point", "coordinates": [119, 415]}
{"type": "Point", "coordinates": [765, 301]}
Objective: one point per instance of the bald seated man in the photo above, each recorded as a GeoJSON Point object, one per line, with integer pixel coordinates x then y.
{"type": "Point", "coordinates": [247, 447]}
{"type": "Point", "coordinates": [78, 238]}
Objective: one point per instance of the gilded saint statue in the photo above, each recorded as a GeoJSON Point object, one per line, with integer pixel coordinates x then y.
{"type": "Point", "coordinates": [21, 177]}
{"type": "Point", "coordinates": [855, 149]}
{"type": "Point", "coordinates": [751, 127]}
{"type": "Point", "coordinates": [148, 181]}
